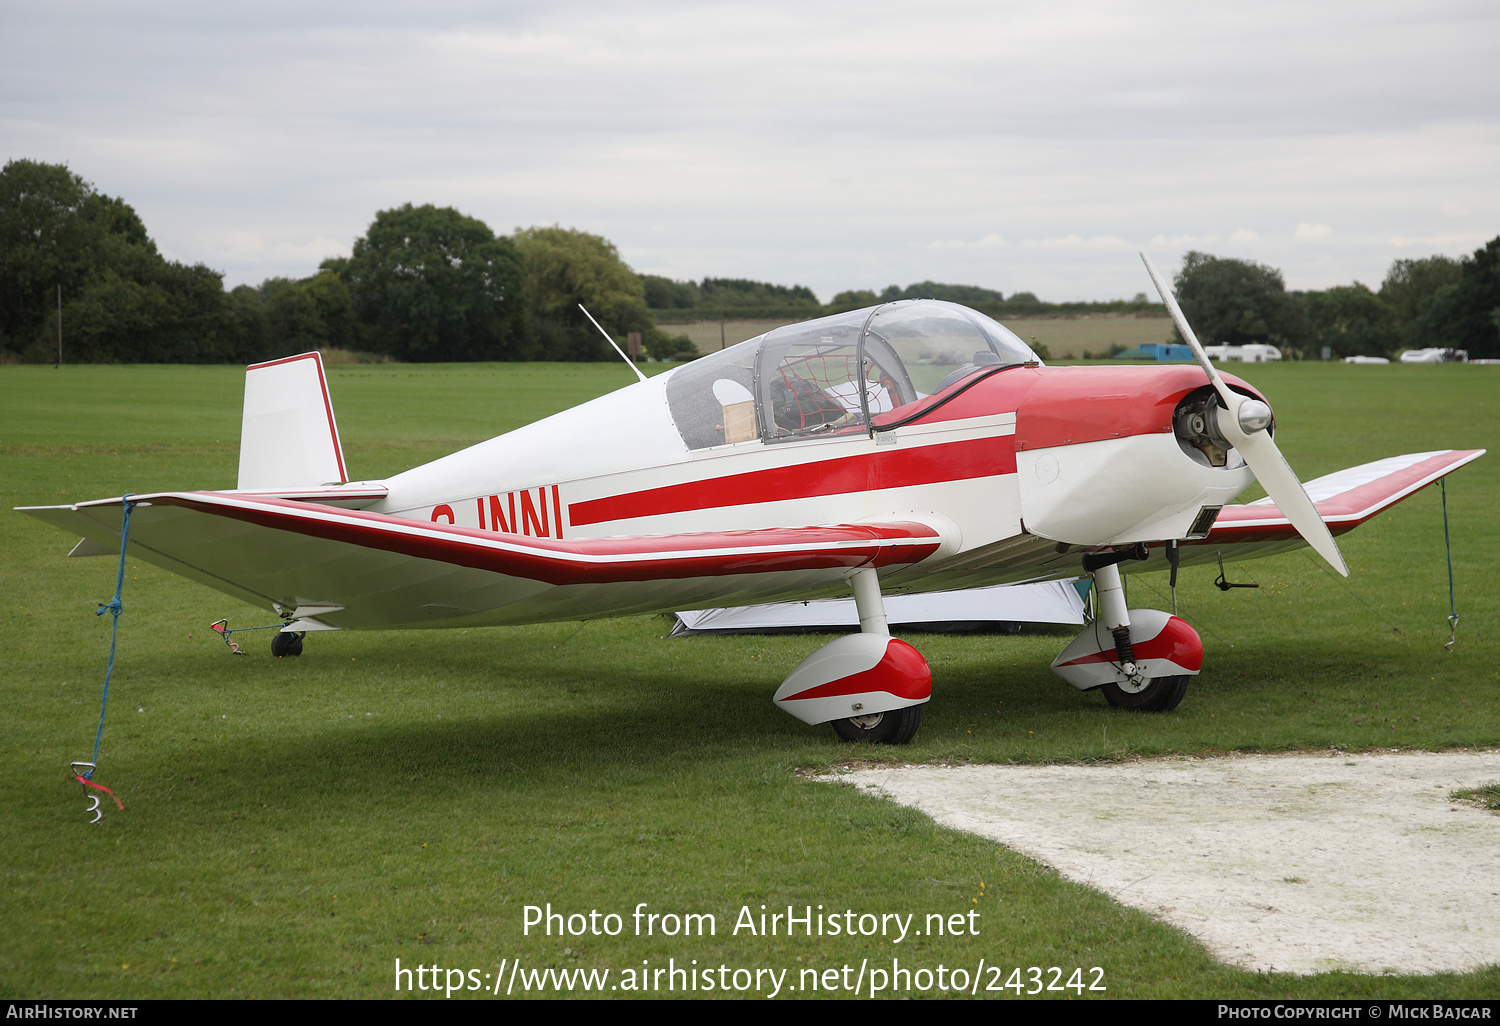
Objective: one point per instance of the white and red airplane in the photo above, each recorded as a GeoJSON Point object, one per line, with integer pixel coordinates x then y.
{"type": "Point", "coordinates": [912, 446]}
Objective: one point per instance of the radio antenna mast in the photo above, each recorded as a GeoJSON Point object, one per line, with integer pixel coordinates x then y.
{"type": "Point", "coordinates": [628, 361]}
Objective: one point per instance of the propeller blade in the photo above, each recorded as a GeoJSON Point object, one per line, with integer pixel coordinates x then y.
{"type": "Point", "coordinates": [1255, 444]}
{"type": "Point", "coordinates": [1280, 482]}
{"type": "Point", "coordinates": [1226, 394]}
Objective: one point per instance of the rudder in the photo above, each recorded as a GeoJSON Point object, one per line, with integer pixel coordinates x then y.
{"type": "Point", "coordinates": [288, 436]}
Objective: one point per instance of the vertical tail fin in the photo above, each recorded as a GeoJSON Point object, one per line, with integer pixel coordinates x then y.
{"type": "Point", "coordinates": [288, 438]}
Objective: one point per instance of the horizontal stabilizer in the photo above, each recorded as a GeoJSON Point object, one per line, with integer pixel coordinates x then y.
{"type": "Point", "coordinates": [288, 437]}
{"type": "Point", "coordinates": [89, 547]}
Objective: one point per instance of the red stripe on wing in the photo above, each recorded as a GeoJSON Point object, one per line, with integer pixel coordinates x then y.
{"type": "Point", "coordinates": [1342, 512]}
{"type": "Point", "coordinates": [584, 560]}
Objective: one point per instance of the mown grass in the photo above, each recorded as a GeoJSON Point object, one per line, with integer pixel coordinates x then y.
{"type": "Point", "coordinates": [294, 826]}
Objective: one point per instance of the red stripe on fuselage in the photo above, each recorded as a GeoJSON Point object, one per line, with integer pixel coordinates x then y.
{"type": "Point", "coordinates": [891, 468]}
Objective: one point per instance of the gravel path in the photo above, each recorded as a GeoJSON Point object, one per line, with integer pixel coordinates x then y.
{"type": "Point", "coordinates": [1299, 863]}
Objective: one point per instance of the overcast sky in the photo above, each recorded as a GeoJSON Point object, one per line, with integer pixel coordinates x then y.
{"type": "Point", "coordinates": [1026, 145]}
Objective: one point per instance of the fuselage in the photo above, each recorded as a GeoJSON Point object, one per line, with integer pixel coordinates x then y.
{"type": "Point", "coordinates": [918, 440]}
{"type": "Point", "coordinates": [1017, 472]}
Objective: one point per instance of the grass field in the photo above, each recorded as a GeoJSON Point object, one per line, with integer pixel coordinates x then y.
{"type": "Point", "coordinates": [293, 827]}
{"type": "Point", "coordinates": [711, 336]}
{"type": "Point", "coordinates": [1066, 338]}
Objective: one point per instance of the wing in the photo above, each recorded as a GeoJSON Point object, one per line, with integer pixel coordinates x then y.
{"type": "Point", "coordinates": [336, 567]}
{"type": "Point", "coordinates": [1344, 500]}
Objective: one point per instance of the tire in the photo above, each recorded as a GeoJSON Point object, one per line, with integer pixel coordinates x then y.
{"type": "Point", "coordinates": [1162, 694]}
{"type": "Point", "coordinates": [896, 727]}
{"type": "Point", "coordinates": [286, 645]}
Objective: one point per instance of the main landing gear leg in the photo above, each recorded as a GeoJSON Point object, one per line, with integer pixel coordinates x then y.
{"type": "Point", "coordinates": [1141, 658]}
{"type": "Point", "coordinates": [1114, 616]}
{"type": "Point", "coordinates": [1136, 691]}
{"type": "Point", "coordinates": [882, 681]}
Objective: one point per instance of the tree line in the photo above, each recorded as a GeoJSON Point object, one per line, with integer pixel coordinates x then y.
{"type": "Point", "coordinates": [428, 283]}
{"type": "Point", "coordinates": [1429, 302]}
{"type": "Point", "coordinates": [742, 299]}
{"type": "Point", "coordinates": [424, 283]}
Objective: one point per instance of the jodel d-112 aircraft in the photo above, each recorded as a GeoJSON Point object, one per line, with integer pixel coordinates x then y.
{"type": "Point", "coordinates": [912, 446]}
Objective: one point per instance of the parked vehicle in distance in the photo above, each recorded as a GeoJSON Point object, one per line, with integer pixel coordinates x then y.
{"type": "Point", "coordinates": [1436, 355]}
{"type": "Point", "coordinates": [1255, 352]}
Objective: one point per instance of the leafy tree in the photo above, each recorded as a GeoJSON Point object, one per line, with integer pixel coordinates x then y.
{"type": "Point", "coordinates": [1027, 298]}
{"type": "Point", "coordinates": [1464, 315]}
{"type": "Point", "coordinates": [246, 330]}
{"type": "Point", "coordinates": [666, 294]}
{"type": "Point", "coordinates": [727, 294]}
{"type": "Point", "coordinates": [566, 267]}
{"type": "Point", "coordinates": [731, 292]}
{"type": "Point", "coordinates": [1352, 321]}
{"type": "Point", "coordinates": [121, 300]}
{"type": "Point", "coordinates": [49, 235]}
{"type": "Point", "coordinates": [852, 300]}
{"type": "Point", "coordinates": [1235, 302]}
{"type": "Point", "coordinates": [1410, 284]}
{"type": "Point", "coordinates": [662, 346]}
{"type": "Point", "coordinates": [428, 283]}
{"type": "Point", "coordinates": [314, 313]}
{"type": "Point", "coordinates": [967, 294]}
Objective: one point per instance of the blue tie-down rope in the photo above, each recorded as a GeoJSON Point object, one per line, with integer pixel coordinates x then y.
{"type": "Point", "coordinates": [114, 607]}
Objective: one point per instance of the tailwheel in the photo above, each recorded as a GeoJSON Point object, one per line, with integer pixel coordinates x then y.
{"type": "Point", "coordinates": [287, 644]}
{"type": "Point", "coordinates": [1152, 694]}
{"type": "Point", "coordinates": [896, 727]}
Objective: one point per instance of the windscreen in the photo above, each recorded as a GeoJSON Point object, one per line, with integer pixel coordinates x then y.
{"type": "Point", "coordinates": [835, 374]}
{"type": "Point", "coordinates": [937, 345]}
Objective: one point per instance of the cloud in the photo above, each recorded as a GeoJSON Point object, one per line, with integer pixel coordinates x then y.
{"type": "Point", "coordinates": [1312, 232]}
{"type": "Point", "coordinates": [837, 145]}
{"type": "Point", "coordinates": [1066, 242]}
{"type": "Point", "coordinates": [993, 240]}
{"type": "Point", "coordinates": [1182, 241]}
{"type": "Point", "coordinates": [1443, 242]}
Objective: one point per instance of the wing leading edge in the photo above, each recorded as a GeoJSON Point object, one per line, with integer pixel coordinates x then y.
{"type": "Point", "coordinates": [372, 570]}
{"type": "Point", "coordinates": [1344, 499]}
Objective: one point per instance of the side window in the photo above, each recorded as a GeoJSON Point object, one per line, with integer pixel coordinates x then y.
{"type": "Point", "coordinates": [738, 406]}
{"type": "Point", "coordinates": [810, 387]}
{"type": "Point", "coordinates": [711, 399]}
{"type": "Point", "coordinates": [887, 381]}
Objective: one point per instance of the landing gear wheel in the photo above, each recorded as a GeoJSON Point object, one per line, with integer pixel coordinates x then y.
{"type": "Point", "coordinates": [896, 727]}
{"type": "Point", "coordinates": [286, 644]}
{"type": "Point", "coordinates": [1161, 694]}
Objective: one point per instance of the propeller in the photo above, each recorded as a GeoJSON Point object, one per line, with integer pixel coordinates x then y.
{"type": "Point", "coordinates": [1243, 422]}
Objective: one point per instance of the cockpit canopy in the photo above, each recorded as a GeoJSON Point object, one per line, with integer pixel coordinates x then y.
{"type": "Point", "coordinates": [851, 372]}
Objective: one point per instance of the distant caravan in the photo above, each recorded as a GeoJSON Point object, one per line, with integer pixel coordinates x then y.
{"type": "Point", "coordinates": [1435, 356]}
{"type": "Point", "coordinates": [1255, 352]}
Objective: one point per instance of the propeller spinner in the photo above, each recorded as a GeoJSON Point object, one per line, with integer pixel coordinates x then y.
{"type": "Point", "coordinates": [1245, 423]}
